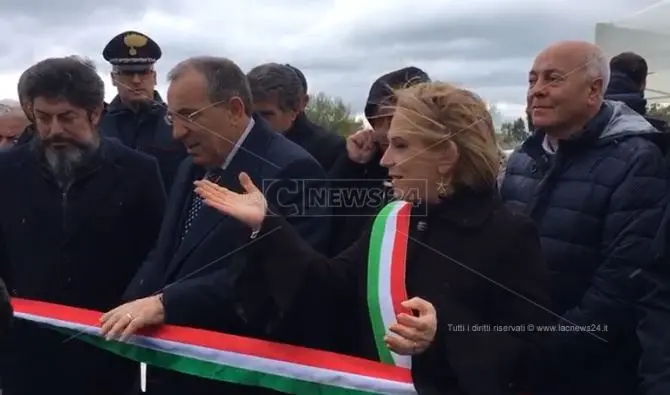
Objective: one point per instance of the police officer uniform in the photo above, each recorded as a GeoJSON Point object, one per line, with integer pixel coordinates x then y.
{"type": "Point", "coordinates": [145, 129]}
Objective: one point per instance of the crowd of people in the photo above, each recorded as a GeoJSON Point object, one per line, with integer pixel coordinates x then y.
{"type": "Point", "coordinates": [225, 208]}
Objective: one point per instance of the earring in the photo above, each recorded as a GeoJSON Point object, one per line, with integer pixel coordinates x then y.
{"type": "Point", "coordinates": [442, 187]}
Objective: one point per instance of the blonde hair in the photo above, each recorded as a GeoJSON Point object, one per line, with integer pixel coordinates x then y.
{"type": "Point", "coordinates": [442, 113]}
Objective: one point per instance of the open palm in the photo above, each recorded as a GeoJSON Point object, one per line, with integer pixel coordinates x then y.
{"type": "Point", "coordinates": [249, 207]}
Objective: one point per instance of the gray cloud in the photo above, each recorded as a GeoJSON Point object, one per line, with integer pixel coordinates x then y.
{"type": "Point", "coordinates": [485, 45]}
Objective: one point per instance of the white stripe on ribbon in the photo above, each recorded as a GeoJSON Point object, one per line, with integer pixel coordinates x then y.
{"type": "Point", "coordinates": [385, 296]}
{"type": "Point", "coordinates": [248, 362]}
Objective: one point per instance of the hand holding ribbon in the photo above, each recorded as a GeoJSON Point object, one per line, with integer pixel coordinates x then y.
{"type": "Point", "coordinates": [412, 335]}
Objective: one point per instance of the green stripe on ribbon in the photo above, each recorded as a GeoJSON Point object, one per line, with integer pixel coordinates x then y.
{"type": "Point", "coordinates": [374, 304]}
{"type": "Point", "coordinates": [214, 371]}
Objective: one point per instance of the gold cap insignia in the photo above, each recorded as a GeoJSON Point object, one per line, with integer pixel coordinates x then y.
{"type": "Point", "coordinates": [134, 41]}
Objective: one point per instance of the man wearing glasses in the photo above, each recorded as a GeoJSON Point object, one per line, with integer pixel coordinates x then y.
{"type": "Point", "coordinates": [137, 115]}
{"type": "Point", "coordinates": [200, 254]}
{"type": "Point", "coordinates": [12, 123]}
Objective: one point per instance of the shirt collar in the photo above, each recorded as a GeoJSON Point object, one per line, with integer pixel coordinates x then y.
{"type": "Point", "coordinates": [547, 146]}
{"type": "Point", "coordinates": [238, 143]}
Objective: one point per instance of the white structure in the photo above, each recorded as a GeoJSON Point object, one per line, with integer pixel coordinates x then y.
{"type": "Point", "coordinates": [646, 33]}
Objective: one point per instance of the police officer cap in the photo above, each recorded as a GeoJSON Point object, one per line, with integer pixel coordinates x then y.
{"type": "Point", "coordinates": [132, 50]}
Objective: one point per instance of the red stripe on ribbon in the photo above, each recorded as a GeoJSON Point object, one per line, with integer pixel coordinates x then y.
{"type": "Point", "coordinates": [226, 342]}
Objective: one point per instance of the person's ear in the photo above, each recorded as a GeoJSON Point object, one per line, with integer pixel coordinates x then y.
{"type": "Point", "coordinates": [447, 158]}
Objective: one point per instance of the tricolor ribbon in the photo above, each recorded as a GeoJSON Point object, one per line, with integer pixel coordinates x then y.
{"type": "Point", "coordinates": [253, 362]}
{"type": "Point", "coordinates": [230, 358]}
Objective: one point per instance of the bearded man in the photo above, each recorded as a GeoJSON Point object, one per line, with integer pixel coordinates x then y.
{"type": "Point", "coordinates": [78, 215]}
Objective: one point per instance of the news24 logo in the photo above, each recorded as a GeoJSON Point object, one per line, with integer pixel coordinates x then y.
{"type": "Point", "coordinates": [338, 197]}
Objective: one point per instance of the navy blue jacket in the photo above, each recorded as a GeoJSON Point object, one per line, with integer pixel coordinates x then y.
{"type": "Point", "coordinates": [598, 205]}
{"type": "Point", "coordinates": [622, 88]}
{"type": "Point", "coordinates": [146, 131]}
{"type": "Point", "coordinates": [197, 273]}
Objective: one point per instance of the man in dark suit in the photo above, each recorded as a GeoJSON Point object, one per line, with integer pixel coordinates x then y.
{"type": "Point", "coordinates": [78, 216]}
{"type": "Point", "coordinates": [280, 97]}
{"type": "Point", "coordinates": [186, 280]}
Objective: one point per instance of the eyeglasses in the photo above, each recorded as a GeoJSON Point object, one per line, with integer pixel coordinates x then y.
{"type": "Point", "coordinates": [129, 74]}
{"type": "Point", "coordinates": [190, 118]}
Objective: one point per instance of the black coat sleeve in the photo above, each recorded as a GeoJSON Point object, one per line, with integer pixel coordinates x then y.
{"type": "Point", "coordinates": [290, 194]}
{"type": "Point", "coordinates": [287, 262]}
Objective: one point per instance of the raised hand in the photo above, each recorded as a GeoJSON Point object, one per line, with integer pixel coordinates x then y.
{"type": "Point", "coordinates": [413, 335]}
{"type": "Point", "coordinates": [249, 207]}
{"type": "Point", "coordinates": [360, 146]}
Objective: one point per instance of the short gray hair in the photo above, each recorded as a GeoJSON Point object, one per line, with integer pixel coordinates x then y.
{"type": "Point", "coordinates": [273, 80]}
{"type": "Point", "coordinates": [598, 66]}
{"type": "Point", "coordinates": [223, 77]}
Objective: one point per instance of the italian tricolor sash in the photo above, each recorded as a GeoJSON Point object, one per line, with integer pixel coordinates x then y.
{"type": "Point", "coordinates": [234, 359]}
{"type": "Point", "coordinates": [386, 275]}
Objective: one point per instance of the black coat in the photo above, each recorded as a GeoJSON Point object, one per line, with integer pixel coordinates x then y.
{"type": "Point", "coordinates": [79, 248]}
{"type": "Point", "coordinates": [325, 146]}
{"type": "Point", "coordinates": [195, 274]}
{"type": "Point", "coordinates": [365, 184]}
{"type": "Point", "coordinates": [146, 131]}
{"type": "Point", "coordinates": [473, 259]}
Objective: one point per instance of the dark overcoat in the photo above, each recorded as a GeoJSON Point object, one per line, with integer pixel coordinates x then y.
{"type": "Point", "coordinates": [79, 248]}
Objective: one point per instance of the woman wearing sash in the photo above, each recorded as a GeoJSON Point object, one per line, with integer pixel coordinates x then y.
{"type": "Point", "coordinates": [445, 281]}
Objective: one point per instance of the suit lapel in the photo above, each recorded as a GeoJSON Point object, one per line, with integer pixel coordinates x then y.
{"type": "Point", "coordinates": [246, 159]}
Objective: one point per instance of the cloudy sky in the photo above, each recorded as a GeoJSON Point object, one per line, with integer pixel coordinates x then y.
{"type": "Point", "coordinates": [341, 45]}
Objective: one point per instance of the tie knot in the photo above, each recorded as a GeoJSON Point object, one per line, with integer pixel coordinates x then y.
{"type": "Point", "coordinates": [214, 175]}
